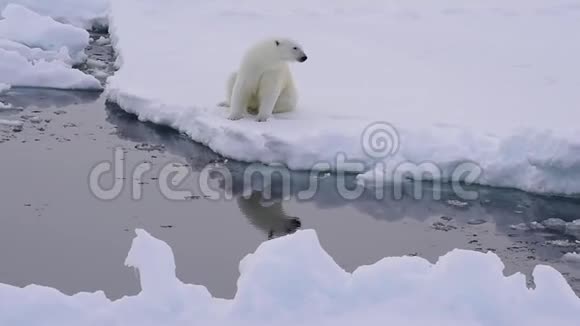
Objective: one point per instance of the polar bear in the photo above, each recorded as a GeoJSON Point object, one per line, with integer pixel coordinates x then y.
{"type": "Point", "coordinates": [263, 84]}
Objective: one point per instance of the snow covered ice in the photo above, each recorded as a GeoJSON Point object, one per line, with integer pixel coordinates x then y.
{"type": "Point", "coordinates": [42, 32]}
{"type": "Point", "coordinates": [37, 51]}
{"type": "Point", "coordinates": [35, 54]}
{"type": "Point", "coordinates": [80, 13]}
{"type": "Point", "coordinates": [490, 82]}
{"type": "Point", "coordinates": [293, 281]}
{"type": "Point", "coordinates": [18, 71]}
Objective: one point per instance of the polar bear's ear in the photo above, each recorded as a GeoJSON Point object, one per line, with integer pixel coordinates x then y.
{"type": "Point", "coordinates": [277, 42]}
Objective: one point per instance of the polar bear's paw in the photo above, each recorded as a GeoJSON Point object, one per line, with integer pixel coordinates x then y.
{"type": "Point", "coordinates": [262, 118]}
{"type": "Point", "coordinates": [235, 116]}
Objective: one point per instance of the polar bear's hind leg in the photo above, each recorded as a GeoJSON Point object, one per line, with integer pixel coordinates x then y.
{"type": "Point", "coordinates": [253, 103]}
{"type": "Point", "coordinates": [239, 101]}
{"type": "Point", "coordinates": [229, 90]}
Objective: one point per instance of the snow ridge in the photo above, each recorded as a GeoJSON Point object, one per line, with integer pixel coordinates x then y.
{"type": "Point", "coordinates": [292, 280]}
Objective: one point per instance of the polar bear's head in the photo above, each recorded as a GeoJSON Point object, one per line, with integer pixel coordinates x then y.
{"type": "Point", "coordinates": [289, 50]}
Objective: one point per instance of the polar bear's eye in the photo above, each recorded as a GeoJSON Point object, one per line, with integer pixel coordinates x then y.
{"type": "Point", "coordinates": [295, 48]}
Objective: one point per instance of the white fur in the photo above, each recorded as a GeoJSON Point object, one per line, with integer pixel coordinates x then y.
{"type": "Point", "coordinates": [263, 84]}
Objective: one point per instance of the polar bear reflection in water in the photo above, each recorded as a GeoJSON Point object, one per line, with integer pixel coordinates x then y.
{"type": "Point", "coordinates": [268, 217]}
{"type": "Point", "coordinates": [265, 212]}
{"type": "Point", "coordinates": [260, 195]}
{"type": "Point", "coordinates": [263, 83]}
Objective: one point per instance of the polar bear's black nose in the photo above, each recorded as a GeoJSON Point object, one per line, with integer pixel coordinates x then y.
{"type": "Point", "coordinates": [302, 59]}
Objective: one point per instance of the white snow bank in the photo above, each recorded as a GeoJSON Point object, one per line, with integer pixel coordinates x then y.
{"type": "Point", "coordinates": [492, 82]}
{"type": "Point", "coordinates": [35, 54]}
{"type": "Point", "coordinates": [37, 51]}
{"type": "Point", "coordinates": [35, 31]}
{"type": "Point", "coordinates": [18, 71]}
{"type": "Point", "coordinates": [293, 281]}
{"type": "Point", "coordinates": [81, 13]}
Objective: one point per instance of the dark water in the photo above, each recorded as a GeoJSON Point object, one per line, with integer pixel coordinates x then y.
{"type": "Point", "coordinates": [55, 232]}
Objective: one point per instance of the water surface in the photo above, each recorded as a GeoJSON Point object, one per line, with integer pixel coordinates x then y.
{"type": "Point", "coordinates": [55, 232]}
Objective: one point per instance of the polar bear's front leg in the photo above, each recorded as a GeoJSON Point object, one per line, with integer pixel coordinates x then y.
{"type": "Point", "coordinates": [238, 102]}
{"type": "Point", "coordinates": [269, 92]}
